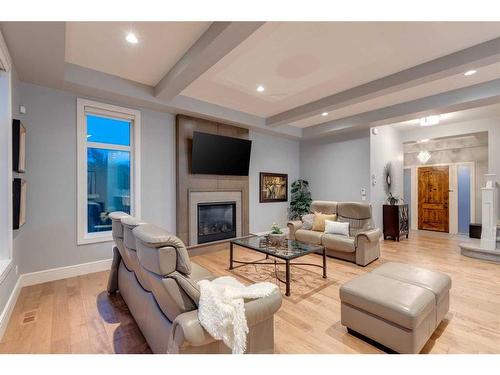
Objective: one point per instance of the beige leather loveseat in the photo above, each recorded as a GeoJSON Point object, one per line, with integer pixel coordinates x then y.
{"type": "Point", "coordinates": [361, 246]}
{"type": "Point", "coordinates": [152, 271]}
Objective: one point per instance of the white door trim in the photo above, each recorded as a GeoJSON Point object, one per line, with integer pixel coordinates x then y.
{"type": "Point", "coordinates": [453, 185]}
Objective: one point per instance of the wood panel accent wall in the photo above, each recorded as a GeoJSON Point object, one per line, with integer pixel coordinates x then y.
{"type": "Point", "coordinates": [186, 182]}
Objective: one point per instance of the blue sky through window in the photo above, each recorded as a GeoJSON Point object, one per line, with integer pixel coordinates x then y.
{"type": "Point", "coordinates": [107, 130]}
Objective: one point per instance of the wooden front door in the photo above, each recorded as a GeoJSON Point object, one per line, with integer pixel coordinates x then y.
{"type": "Point", "coordinates": [433, 193]}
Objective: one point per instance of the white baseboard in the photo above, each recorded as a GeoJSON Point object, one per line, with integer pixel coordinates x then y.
{"type": "Point", "coordinates": [9, 307]}
{"type": "Point", "coordinates": [40, 277]}
{"type": "Point", "coordinates": [53, 274]}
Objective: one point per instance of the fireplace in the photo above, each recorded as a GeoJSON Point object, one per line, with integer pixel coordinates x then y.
{"type": "Point", "coordinates": [216, 221]}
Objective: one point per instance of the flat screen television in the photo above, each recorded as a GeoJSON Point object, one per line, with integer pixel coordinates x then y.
{"type": "Point", "coordinates": [216, 154]}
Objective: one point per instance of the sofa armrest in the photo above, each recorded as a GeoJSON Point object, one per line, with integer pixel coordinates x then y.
{"type": "Point", "coordinates": [371, 235]}
{"type": "Point", "coordinates": [187, 329]}
{"type": "Point", "coordinates": [367, 246]}
{"type": "Point", "coordinates": [293, 226]}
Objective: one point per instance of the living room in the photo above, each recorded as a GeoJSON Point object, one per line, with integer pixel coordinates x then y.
{"type": "Point", "coordinates": [211, 187]}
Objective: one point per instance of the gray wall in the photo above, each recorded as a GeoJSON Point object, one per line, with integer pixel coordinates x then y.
{"type": "Point", "coordinates": [337, 168]}
{"type": "Point", "coordinates": [48, 239]}
{"type": "Point", "coordinates": [271, 154]}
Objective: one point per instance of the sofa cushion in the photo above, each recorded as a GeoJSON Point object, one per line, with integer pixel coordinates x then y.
{"type": "Point", "coordinates": [325, 207]}
{"type": "Point", "coordinates": [436, 282]}
{"type": "Point", "coordinates": [319, 221]}
{"type": "Point", "coordinates": [307, 221]}
{"type": "Point", "coordinates": [190, 283]}
{"type": "Point", "coordinates": [308, 236]}
{"type": "Point", "coordinates": [404, 304]}
{"type": "Point", "coordinates": [337, 227]}
{"type": "Point", "coordinates": [116, 224]}
{"type": "Point", "coordinates": [338, 242]}
{"type": "Point", "coordinates": [156, 237]}
{"type": "Point", "coordinates": [358, 215]}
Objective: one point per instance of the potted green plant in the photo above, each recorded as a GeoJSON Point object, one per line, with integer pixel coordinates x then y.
{"type": "Point", "coordinates": [276, 236]}
{"type": "Point", "coordinates": [300, 202]}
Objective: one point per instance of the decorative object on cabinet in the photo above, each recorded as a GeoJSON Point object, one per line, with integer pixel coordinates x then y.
{"type": "Point", "coordinates": [388, 183]}
{"type": "Point", "coordinates": [273, 187]}
{"type": "Point", "coordinates": [18, 146]}
{"type": "Point", "coordinates": [396, 221]}
{"type": "Point", "coordinates": [19, 202]}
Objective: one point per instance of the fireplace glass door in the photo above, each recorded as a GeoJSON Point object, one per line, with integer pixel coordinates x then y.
{"type": "Point", "coordinates": [216, 221]}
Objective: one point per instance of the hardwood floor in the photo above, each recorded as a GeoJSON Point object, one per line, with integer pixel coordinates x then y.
{"type": "Point", "coordinates": [77, 316]}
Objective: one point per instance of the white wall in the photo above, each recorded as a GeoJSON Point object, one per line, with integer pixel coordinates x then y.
{"type": "Point", "coordinates": [48, 239]}
{"type": "Point", "coordinates": [270, 154]}
{"type": "Point", "coordinates": [386, 146]}
{"type": "Point", "coordinates": [337, 168]}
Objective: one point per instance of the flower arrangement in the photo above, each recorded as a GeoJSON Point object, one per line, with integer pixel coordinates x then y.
{"type": "Point", "coordinates": [275, 229]}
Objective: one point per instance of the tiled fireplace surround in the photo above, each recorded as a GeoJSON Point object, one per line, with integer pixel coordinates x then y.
{"type": "Point", "coordinates": [193, 189]}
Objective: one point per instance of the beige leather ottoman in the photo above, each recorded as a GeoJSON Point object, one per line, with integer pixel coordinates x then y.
{"type": "Point", "coordinates": [397, 305]}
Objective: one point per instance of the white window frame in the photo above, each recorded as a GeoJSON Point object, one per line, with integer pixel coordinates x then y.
{"type": "Point", "coordinates": [84, 107]}
{"type": "Point", "coordinates": [6, 253]}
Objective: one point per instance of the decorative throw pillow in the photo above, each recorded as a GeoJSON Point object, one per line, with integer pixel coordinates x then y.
{"type": "Point", "coordinates": [319, 221]}
{"type": "Point", "coordinates": [337, 227]}
{"type": "Point", "coordinates": [307, 221]}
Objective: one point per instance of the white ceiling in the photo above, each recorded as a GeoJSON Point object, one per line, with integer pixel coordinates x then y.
{"type": "Point", "coordinates": [299, 62]}
{"type": "Point", "coordinates": [102, 46]}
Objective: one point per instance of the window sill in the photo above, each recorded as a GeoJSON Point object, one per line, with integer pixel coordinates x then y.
{"type": "Point", "coordinates": [5, 267]}
{"type": "Point", "coordinates": [89, 239]}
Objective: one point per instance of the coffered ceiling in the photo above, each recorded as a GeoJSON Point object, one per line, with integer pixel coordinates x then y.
{"type": "Point", "coordinates": [318, 78]}
{"type": "Point", "coordinates": [102, 46]}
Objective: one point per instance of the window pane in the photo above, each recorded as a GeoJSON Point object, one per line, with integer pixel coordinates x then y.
{"type": "Point", "coordinates": [108, 186]}
{"type": "Point", "coordinates": [464, 176]}
{"type": "Point", "coordinates": [107, 130]}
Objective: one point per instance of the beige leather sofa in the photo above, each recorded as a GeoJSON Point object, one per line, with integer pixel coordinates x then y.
{"type": "Point", "coordinates": [152, 271]}
{"type": "Point", "coordinates": [363, 244]}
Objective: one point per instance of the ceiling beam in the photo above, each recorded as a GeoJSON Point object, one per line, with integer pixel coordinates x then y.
{"type": "Point", "coordinates": [219, 39]}
{"type": "Point", "coordinates": [451, 101]}
{"type": "Point", "coordinates": [458, 62]}
{"type": "Point", "coordinates": [98, 85]}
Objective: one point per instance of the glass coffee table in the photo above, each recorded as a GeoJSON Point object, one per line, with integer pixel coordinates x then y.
{"type": "Point", "coordinates": [287, 251]}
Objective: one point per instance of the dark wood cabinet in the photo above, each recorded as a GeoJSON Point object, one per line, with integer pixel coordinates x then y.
{"type": "Point", "coordinates": [396, 221]}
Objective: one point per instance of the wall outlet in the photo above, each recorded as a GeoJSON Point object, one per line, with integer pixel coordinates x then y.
{"type": "Point", "coordinates": [363, 194]}
{"type": "Point", "coordinates": [22, 109]}
{"type": "Point", "coordinates": [17, 270]}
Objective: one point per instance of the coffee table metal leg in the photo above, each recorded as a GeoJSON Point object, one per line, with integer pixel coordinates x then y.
{"type": "Point", "coordinates": [230, 255]}
{"type": "Point", "coordinates": [324, 263]}
{"type": "Point", "coordinates": [287, 275]}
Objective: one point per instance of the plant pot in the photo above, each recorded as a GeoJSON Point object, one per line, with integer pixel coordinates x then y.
{"type": "Point", "coordinates": [277, 239]}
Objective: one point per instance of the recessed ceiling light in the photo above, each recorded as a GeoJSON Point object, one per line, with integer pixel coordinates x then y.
{"type": "Point", "coordinates": [424, 140]}
{"type": "Point", "coordinates": [260, 88]}
{"type": "Point", "coordinates": [131, 38]}
{"type": "Point", "coordinates": [470, 72]}
{"type": "Point", "coordinates": [429, 120]}
{"type": "Point", "coordinates": [324, 114]}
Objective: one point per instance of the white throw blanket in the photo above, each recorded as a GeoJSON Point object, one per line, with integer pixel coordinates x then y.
{"type": "Point", "coordinates": [221, 309]}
